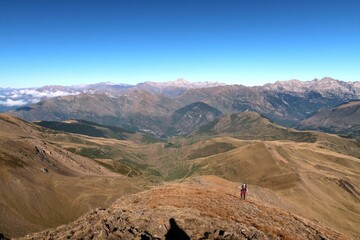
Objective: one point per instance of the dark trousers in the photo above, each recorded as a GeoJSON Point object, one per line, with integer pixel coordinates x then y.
{"type": "Point", "coordinates": [242, 195]}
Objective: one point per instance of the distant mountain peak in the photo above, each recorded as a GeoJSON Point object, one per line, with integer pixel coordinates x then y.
{"type": "Point", "coordinates": [326, 86]}
{"type": "Point", "coordinates": [324, 79]}
{"type": "Point", "coordinates": [174, 88]}
{"type": "Point", "coordinates": [181, 82]}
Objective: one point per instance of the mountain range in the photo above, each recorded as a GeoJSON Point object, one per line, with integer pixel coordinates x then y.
{"type": "Point", "coordinates": [149, 107]}
{"type": "Point", "coordinates": [120, 161]}
{"type": "Point", "coordinates": [11, 98]}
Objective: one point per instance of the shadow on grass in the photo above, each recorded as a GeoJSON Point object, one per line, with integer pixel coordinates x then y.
{"type": "Point", "coordinates": [175, 232]}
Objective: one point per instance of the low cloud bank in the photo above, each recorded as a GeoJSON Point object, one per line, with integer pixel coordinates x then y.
{"type": "Point", "coordinates": [11, 103]}
{"type": "Point", "coordinates": [21, 97]}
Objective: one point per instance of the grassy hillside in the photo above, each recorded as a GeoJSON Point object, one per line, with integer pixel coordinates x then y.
{"type": "Point", "coordinates": [43, 185]}
{"type": "Point", "coordinates": [86, 128]}
{"type": "Point", "coordinates": [307, 174]}
{"type": "Point", "coordinates": [303, 169]}
{"type": "Point", "coordinates": [203, 208]}
{"type": "Point", "coordinates": [250, 126]}
{"type": "Point", "coordinates": [343, 119]}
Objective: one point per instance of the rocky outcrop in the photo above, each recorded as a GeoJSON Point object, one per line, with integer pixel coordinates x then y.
{"type": "Point", "coordinates": [200, 208]}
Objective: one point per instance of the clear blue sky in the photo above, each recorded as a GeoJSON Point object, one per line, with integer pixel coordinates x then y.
{"type": "Point", "coordinates": [249, 42]}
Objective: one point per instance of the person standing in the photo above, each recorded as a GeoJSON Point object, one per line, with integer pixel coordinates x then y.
{"type": "Point", "coordinates": [243, 191]}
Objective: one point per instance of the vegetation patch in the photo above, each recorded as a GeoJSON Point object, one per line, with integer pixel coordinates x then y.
{"type": "Point", "coordinates": [128, 168]}
{"type": "Point", "coordinates": [172, 145]}
{"type": "Point", "coordinates": [11, 161]}
{"type": "Point", "coordinates": [148, 139]}
{"type": "Point", "coordinates": [177, 173]}
{"type": "Point", "coordinates": [86, 128]}
{"type": "Point", "coordinates": [208, 127]}
{"type": "Point", "coordinates": [212, 149]}
{"type": "Point", "coordinates": [91, 153]}
{"type": "Point", "coordinates": [71, 149]}
{"type": "Point", "coordinates": [121, 168]}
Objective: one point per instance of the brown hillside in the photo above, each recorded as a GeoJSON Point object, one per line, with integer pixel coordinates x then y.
{"type": "Point", "coordinates": [306, 174]}
{"type": "Point", "coordinates": [205, 208]}
{"type": "Point", "coordinates": [42, 185]}
{"type": "Point", "coordinates": [251, 125]}
{"type": "Point", "coordinates": [343, 119]}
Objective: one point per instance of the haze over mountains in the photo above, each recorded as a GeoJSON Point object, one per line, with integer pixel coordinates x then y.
{"type": "Point", "coordinates": [15, 97]}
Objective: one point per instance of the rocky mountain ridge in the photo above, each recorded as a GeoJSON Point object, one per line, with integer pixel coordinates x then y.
{"type": "Point", "coordinates": [326, 86]}
{"type": "Point", "coordinates": [200, 208]}
{"type": "Point", "coordinates": [148, 107]}
{"type": "Point", "coordinates": [12, 97]}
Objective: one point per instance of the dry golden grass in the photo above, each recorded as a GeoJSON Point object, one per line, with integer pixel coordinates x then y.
{"type": "Point", "coordinates": [304, 178]}
{"type": "Point", "coordinates": [33, 198]}
{"type": "Point", "coordinates": [306, 174]}
{"type": "Point", "coordinates": [199, 205]}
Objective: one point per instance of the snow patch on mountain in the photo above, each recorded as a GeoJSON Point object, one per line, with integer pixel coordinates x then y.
{"type": "Point", "coordinates": [182, 83]}
{"type": "Point", "coordinates": [326, 87]}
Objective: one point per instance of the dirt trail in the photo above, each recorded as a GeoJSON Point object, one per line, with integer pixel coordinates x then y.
{"type": "Point", "coordinates": [275, 153]}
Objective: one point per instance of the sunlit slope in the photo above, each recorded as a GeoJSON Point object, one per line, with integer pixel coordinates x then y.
{"type": "Point", "coordinates": [43, 185]}
{"type": "Point", "coordinates": [322, 182]}
{"type": "Point", "coordinates": [317, 174]}
{"type": "Point", "coordinates": [343, 119]}
{"type": "Point", "coordinates": [316, 171]}
{"type": "Point", "coordinates": [252, 126]}
{"type": "Point", "coordinates": [135, 157]}
{"type": "Point", "coordinates": [204, 207]}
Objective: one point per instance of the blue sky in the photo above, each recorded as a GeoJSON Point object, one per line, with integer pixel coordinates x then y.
{"type": "Point", "coordinates": [250, 42]}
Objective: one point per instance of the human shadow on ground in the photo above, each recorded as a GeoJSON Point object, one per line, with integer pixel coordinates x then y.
{"type": "Point", "coordinates": [175, 232]}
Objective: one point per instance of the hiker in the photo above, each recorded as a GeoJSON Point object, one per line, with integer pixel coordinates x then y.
{"type": "Point", "coordinates": [243, 191]}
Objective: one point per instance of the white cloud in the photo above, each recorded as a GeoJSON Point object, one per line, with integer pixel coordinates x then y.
{"type": "Point", "coordinates": [28, 96]}
{"type": "Point", "coordinates": [46, 94]}
{"type": "Point", "coordinates": [15, 95]}
{"type": "Point", "coordinates": [10, 103]}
